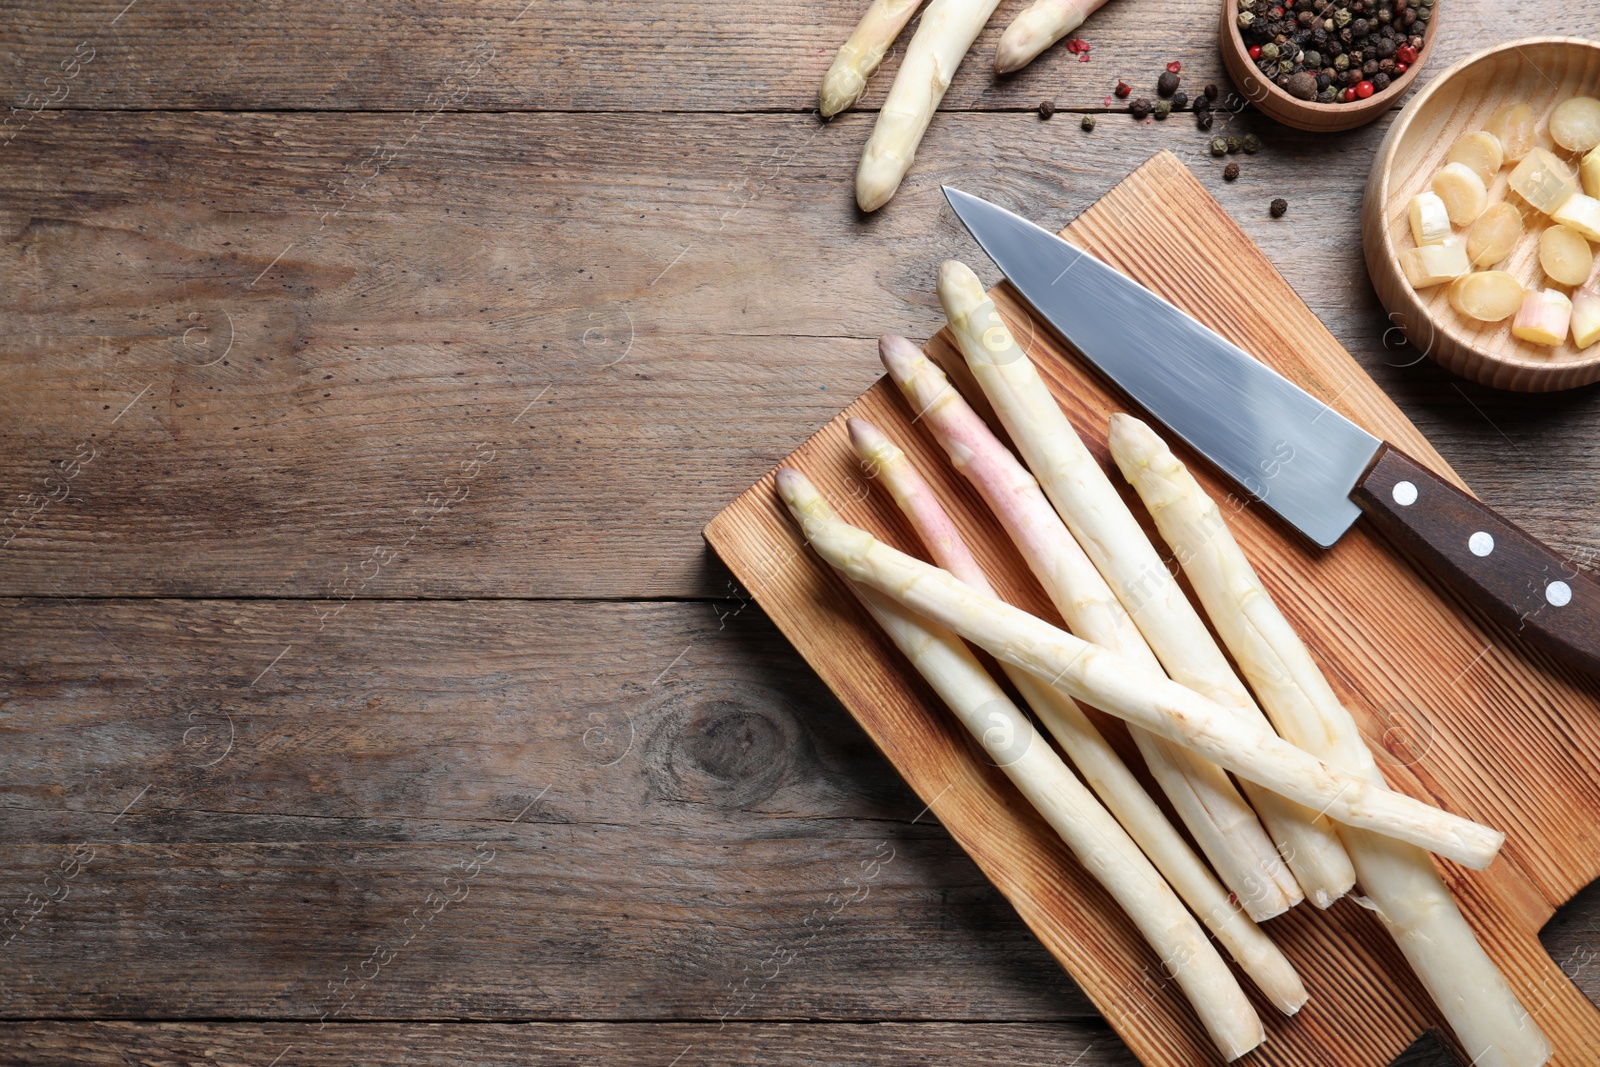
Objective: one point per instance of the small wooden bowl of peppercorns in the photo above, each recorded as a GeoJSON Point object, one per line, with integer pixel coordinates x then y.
{"type": "Point", "coordinates": [1326, 65]}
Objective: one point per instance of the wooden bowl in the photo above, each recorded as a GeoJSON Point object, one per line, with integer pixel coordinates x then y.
{"type": "Point", "coordinates": [1308, 114]}
{"type": "Point", "coordinates": [1542, 71]}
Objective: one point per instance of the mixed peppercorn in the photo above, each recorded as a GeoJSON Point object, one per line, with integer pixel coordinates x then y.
{"type": "Point", "coordinates": [1333, 51]}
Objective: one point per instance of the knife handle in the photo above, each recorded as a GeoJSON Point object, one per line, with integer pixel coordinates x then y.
{"type": "Point", "coordinates": [1488, 561]}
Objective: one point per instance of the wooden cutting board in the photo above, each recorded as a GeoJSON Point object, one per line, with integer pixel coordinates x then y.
{"type": "Point", "coordinates": [1459, 713]}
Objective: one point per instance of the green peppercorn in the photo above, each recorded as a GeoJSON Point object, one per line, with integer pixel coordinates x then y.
{"type": "Point", "coordinates": [1341, 62]}
{"type": "Point", "coordinates": [1312, 59]}
{"type": "Point", "coordinates": [1087, 122]}
{"type": "Point", "coordinates": [1245, 20]}
{"type": "Point", "coordinates": [1163, 109]}
{"type": "Point", "coordinates": [1233, 144]}
{"type": "Point", "coordinates": [1219, 146]}
{"type": "Point", "coordinates": [1251, 144]}
{"type": "Point", "coordinates": [1269, 51]}
{"type": "Point", "coordinates": [1425, 14]}
{"type": "Point", "coordinates": [1342, 17]}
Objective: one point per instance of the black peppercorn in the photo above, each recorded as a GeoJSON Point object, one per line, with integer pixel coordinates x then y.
{"type": "Point", "coordinates": [1370, 67]}
{"type": "Point", "coordinates": [1380, 81]}
{"type": "Point", "coordinates": [1230, 172]}
{"type": "Point", "coordinates": [1279, 208]}
{"type": "Point", "coordinates": [1046, 109]}
{"type": "Point", "coordinates": [1140, 109]}
{"type": "Point", "coordinates": [1385, 48]}
{"type": "Point", "coordinates": [1202, 119]}
{"type": "Point", "coordinates": [1211, 91]}
{"type": "Point", "coordinates": [1324, 80]}
{"type": "Point", "coordinates": [1167, 84]}
{"type": "Point", "coordinates": [1180, 100]}
{"type": "Point", "coordinates": [1202, 102]}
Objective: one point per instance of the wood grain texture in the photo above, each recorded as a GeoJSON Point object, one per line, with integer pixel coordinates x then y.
{"type": "Point", "coordinates": [1540, 72]}
{"type": "Point", "coordinates": [559, 56]}
{"type": "Point", "coordinates": [1395, 644]}
{"type": "Point", "coordinates": [368, 365]}
{"type": "Point", "coordinates": [713, 835]}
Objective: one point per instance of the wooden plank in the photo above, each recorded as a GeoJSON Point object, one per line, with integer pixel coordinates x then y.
{"type": "Point", "coordinates": [556, 55]}
{"type": "Point", "coordinates": [713, 835]}
{"type": "Point", "coordinates": [602, 1044]}
{"type": "Point", "coordinates": [1393, 643]}
{"type": "Point", "coordinates": [599, 321]}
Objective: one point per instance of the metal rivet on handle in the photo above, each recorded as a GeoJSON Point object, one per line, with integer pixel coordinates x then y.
{"type": "Point", "coordinates": [1480, 543]}
{"type": "Point", "coordinates": [1559, 594]}
{"type": "Point", "coordinates": [1404, 493]}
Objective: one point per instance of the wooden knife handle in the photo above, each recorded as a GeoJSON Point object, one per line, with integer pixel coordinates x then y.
{"type": "Point", "coordinates": [1488, 561]}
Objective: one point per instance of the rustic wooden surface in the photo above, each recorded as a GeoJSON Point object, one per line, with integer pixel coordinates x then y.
{"type": "Point", "coordinates": [516, 305]}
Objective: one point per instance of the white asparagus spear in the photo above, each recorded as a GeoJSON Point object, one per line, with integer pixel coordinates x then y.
{"type": "Point", "coordinates": [1037, 28]}
{"type": "Point", "coordinates": [858, 57]}
{"type": "Point", "coordinates": [1095, 759]}
{"type": "Point", "coordinates": [947, 30]}
{"type": "Point", "coordinates": [1399, 880]}
{"type": "Point", "coordinates": [1104, 848]}
{"type": "Point", "coordinates": [1201, 792]}
{"type": "Point", "coordinates": [1103, 680]}
{"type": "Point", "coordinates": [1108, 532]}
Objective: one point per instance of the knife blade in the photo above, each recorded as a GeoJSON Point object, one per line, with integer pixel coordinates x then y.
{"type": "Point", "coordinates": [1286, 448]}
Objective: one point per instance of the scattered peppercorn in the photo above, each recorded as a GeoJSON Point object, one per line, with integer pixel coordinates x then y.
{"type": "Point", "coordinates": [1233, 144]}
{"type": "Point", "coordinates": [1251, 144]}
{"type": "Point", "coordinates": [1087, 122]}
{"type": "Point", "coordinates": [1180, 100]}
{"type": "Point", "coordinates": [1140, 109]}
{"type": "Point", "coordinates": [1279, 208]}
{"type": "Point", "coordinates": [1123, 88]}
{"type": "Point", "coordinates": [1230, 172]}
{"type": "Point", "coordinates": [1202, 102]}
{"type": "Point", "coordinates": [1046, 109]}
{"type": "Point", "coordinates": [1167, 84]}
{"type": "Point", "coordinates": [1211, 91]}
{"type": "Point", "coordinates": [1202, 119]}
{"type": "Point", "coordinates": [1163, 108]}
{"type": "Point", "coordinates": [1174, 67]}
{"type": "Point", "coordinates": [1219, 146]}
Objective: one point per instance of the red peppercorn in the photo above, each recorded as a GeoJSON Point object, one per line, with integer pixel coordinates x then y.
{"type": "Point", "coordinates": [1349, 94]}
{"type": "Point", "coordinates": [1255, 51]}
{"type": "Point", "coordinates": [1175, 66]}
{"type": "Point", "coordinates": [1364, 89]}
{"type": "Point", "coordinates": [1405, 54]}
{"type": "Point", "coordinates": [1123, 88]}
{"type": "Point", "coordinates": [1072, 45]}
{"type": "Point", "coordinates": [1401, 68]}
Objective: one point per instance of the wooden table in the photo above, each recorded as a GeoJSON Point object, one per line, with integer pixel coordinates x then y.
{"type": "Point", "coordinates": [368, 693]}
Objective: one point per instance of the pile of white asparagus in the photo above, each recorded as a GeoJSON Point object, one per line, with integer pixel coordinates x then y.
{"type": "Point", "coordinates": [946, 32]}
{"type": "Point", "coordinates": [1311, 816]}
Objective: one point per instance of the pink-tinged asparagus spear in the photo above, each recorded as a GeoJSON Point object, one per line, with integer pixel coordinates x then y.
{"type": "Point", "coordinates": [1094, 512]}
{"type": "Point", "coordinates": [1400, 881]}
{"type": "Point", "coordinates": [1108, 682]}
{"type": "Point", "coordinates": [858, 57]}
{"type": "Point", "coordinates": [1095, 759]}
{"type": "Point", "coordinates": [1104, 848]}
{"type": "Point", "coordinates": [1221, 821]}
{"type": "Point", "coordinates": [1037, 28]}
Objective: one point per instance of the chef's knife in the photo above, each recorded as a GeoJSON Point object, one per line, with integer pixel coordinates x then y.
{"type": "Point", "coordinates": [1291, 451]}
